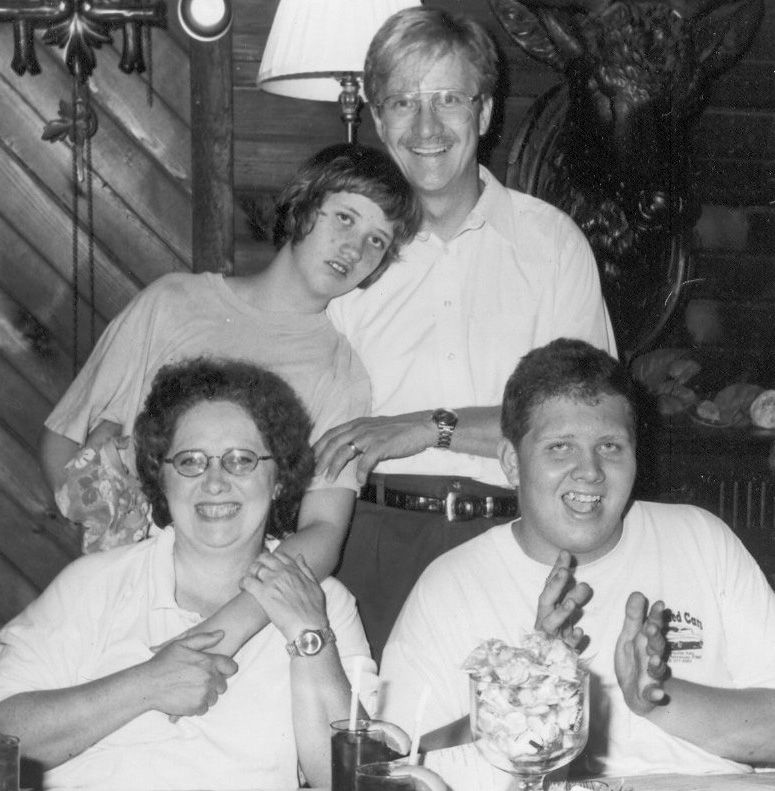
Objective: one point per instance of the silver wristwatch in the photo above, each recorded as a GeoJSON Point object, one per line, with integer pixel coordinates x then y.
{"type": "Point", "coordinates": [445, 420]}
{"type": "Point", "coordinates": [311, 642]}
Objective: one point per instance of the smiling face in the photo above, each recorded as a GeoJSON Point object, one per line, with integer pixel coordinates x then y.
{"type": "Point", "coordinates": [217, 510]}
{"type": "Point", "coordinates": [350, 236]}
{"type": "Point", "coordinates": [437, 159]}
{"type": "Point", "coordinates": [575, 468]}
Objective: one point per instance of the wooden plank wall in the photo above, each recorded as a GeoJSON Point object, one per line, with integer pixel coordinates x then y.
{"type": "Point", "coordinates": [142, 229]}
{"type": "Point", "coordinates": [142, 216]}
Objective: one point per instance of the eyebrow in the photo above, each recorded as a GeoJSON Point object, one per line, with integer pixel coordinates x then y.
{"type": "Point", "coordinates": [387, 234]}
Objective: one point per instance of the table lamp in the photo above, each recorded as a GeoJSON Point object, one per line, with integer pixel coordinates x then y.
{"type": "Point", "coordinates": [316, 50]}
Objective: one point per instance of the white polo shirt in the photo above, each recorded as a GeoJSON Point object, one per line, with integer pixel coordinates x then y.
{"type": "Point", "coordinates": [101, 615]}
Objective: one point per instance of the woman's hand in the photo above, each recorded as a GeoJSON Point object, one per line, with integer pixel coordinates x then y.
{"type": "Point", "coordinates": [186, 680]}
{"type": "Point", "coordinates": [288, 592]}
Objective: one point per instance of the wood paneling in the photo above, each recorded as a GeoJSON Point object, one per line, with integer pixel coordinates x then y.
{"type": "Point", "coordinates": [141, 183]}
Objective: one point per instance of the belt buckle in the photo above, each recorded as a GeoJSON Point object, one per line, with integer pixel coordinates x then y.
{"type": "Point", "coordinates": [450, 508]}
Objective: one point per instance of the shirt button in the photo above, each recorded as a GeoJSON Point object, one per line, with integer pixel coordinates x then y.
{"type": "Point", "coordinates": [451, 356]}
{"type": "Point", "coordinates": [447, 303]}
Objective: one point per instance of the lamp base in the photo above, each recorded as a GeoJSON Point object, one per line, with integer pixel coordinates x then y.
{"type": "Point", "coordinates": [350, 103]}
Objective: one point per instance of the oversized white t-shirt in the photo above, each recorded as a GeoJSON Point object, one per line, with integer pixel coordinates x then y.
{"type": "Point", "coordinates": [446, 325]}
{"type": "Point", "coordinates": [180, 316]}
{"type": "Point", "coordinates": [722, 629]}
{"type": "Point", "coordinates": [102, 614]}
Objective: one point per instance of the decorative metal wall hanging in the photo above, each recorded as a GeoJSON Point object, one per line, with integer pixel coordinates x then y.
{"type": "Point", "coordinates": [80, 27]}
{"type": "Point", "coordinates": [612, 144]}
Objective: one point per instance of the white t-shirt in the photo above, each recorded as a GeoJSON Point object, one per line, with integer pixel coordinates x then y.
{"type": "Point", "coordinates": [722, 630]}
{"type": "Point", "coordinates": [446, 325]}
{"type": "Point", "coordinates": [101, 615]}
{"type": "Point", "coordinates": [180, 316]}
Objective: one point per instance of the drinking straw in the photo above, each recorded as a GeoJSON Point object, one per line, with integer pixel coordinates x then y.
{"type": "Point", "coordinates": [355, 690]}
{"type": "Point", "coordinates": [414, 752]}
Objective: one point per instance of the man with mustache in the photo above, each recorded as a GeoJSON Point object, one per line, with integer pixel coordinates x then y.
{"type": "Point", "coordinates": [492, 274]}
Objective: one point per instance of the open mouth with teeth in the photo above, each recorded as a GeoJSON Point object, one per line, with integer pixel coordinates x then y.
{"type": "Point", "coordinates": [582, 503]}
{"type": "Point", "coordinates": [429, 151]}
{"type": "Point", "coordinates": [213, 511]}
{"type": "Point", "coordinates": [338, 267]}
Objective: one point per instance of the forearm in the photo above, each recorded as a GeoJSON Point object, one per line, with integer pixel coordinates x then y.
{"type": "Point", "coordinates": [319, 543]}
{"type": "Point", "coordinates": [54, 451]}
{"type": "Point", "coordinates": [56, 725]}
{"type": "Point", "coordinates": [478, 431]}
{"type": "Point", "coordinates": [738, 724]}
{"type": "Point", "coordinates": [320, 694]}
{"type": "Point", "coordinates": [242, 617]}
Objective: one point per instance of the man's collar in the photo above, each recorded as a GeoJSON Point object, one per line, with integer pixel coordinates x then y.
{"type": "Point", "coordinates": [493, 206]}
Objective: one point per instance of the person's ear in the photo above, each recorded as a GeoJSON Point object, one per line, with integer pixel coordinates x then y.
{"type": "Point", "coordinates": [507, 455]}
{"type": "Point", "coordinates": [485, 116]}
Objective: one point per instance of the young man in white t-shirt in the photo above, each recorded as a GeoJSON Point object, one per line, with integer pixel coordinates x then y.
{"type": "Point", "coordinates": [584, 553]}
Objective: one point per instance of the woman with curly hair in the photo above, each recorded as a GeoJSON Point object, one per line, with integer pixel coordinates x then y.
{"type": "Point", "coordinates": [93, 675]}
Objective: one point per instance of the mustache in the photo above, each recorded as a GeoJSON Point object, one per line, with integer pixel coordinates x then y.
{"type": "Point", "coordinates": [430, 142]}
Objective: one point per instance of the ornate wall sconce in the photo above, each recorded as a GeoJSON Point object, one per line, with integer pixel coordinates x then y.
{"type": "Point", "coordinates": [79, 27]}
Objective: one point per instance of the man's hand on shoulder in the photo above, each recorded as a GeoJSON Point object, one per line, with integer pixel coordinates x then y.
{"type": "Point", "coordinates": [371, 440]}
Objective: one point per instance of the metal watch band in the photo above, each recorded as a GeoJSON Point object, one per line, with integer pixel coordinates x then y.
{"type": "Point", "coordinates": [445, 436]}
{"type": "Point", "coordinates": [446, 421]}
{"type": "Point", "coordinates": [326, 635]}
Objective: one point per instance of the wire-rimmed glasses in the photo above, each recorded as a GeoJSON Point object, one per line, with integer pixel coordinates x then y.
{"type": "Point", "coordinates": [236, 461]}
{"type": "Point", "coordinates": [450, 106]}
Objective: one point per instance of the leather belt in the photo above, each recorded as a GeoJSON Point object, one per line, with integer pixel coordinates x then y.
{"type": "Point", "coordinates": [455, 506]}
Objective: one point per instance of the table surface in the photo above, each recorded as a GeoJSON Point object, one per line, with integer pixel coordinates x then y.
{"type": "Point", "coordinates": [674, 782]}
{"type": "Point", "coordinates": [697, 782]}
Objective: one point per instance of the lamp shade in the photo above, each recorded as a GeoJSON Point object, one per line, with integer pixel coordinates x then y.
{"type": "Point", "coordinates": [313, 41]}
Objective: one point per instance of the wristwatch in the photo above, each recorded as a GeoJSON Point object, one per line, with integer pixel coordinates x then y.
{"type": "Point", "coordinates": [445, 420]}
{"type": "Point", "coordinates": [311, 642]}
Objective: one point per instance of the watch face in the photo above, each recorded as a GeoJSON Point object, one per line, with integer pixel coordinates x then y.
{"type": "Point", "coordinates": [310, 642]}
{"type": "Point", "coordinates": [445, 417]}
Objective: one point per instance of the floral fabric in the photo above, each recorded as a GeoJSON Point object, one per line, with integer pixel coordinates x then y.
{"type": "Point", "coordinates": [103, 498]}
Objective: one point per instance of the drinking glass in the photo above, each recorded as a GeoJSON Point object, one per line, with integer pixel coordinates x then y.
{"type": "Point", "coordinates": [9, 763]}
{"type": "Point", "coordinates": [397, 776]}
{"type": "Point", "coordinates": [370, 741]}
{"type": "Point", "coordinates": [528, 730]}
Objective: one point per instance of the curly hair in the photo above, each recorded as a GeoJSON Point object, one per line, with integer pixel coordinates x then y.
{"type": "Point", "coordinates": [348, 167]}
{"type": "Point", "coordinates": [566, 367]}
{"type": "Point", "coordinates": [429, 33]}
{"type": "Point", "coordinates": [267, 399]}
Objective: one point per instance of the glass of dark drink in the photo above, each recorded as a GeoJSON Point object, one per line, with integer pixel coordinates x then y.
{"type": "Point", "coordinates": [397, 776]}
{"type": "Point", "coordinates": [369, 741]}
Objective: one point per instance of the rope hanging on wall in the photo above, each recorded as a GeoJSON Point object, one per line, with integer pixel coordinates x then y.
{"type": "Point", "coordinates": [79, 27]}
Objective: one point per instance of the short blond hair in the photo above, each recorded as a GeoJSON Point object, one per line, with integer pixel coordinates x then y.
{"type": "Point", "coordinates": [429, 32]}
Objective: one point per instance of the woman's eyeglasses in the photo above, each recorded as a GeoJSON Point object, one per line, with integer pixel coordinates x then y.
{"type": "Point", "coordinates": [236, 461]}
